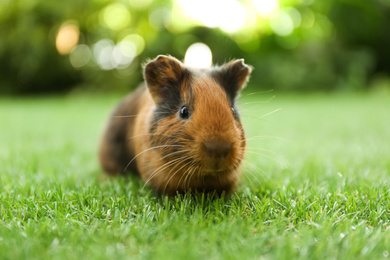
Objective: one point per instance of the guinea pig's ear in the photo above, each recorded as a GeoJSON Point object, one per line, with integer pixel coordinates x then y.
{"type": "Point", "coordinates": [162, 73]}
{"type": "Point", "coordinates": [233, 76]}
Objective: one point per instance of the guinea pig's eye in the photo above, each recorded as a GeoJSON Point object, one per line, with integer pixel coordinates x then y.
{"type": "Point", "coordinates": [184, 112]}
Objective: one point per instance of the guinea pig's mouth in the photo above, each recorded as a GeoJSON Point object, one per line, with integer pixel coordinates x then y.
{"type": "Point", "coordinates": [218, 167]}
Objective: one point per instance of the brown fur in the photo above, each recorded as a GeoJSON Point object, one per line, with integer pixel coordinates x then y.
{"type": "Point", "coordinates": [146, 133]}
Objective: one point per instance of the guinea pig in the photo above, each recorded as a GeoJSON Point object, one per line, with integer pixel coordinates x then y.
{"type": "Point", "coordinates": [180, 131]}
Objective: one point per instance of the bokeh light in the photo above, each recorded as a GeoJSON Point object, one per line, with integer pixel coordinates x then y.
{"type": "Point", "coordinates": [307, 18]}
{"type": "Point", "coordinates": [80, 56]}
{"type": "Point", "coordinates": [295, 16]}
{"type": "Point", "coordinates": [160, 18]}
{"type": "Point", "coordinates": [123, 54]}
{"type": "Point", "coordinates": [138, 42]}
{"type": "Point", "coordinates": [109, 56]}
{"type": "Point", "coordinates": [115, 16]}
{"type": "Point", "coordinates": [198, 55]}
{"type": "Point", "coordinates": [266, 8]}
{"type": "Point", "coordinates": [67, 37]}
{"type": "Point", "coordinates": [232, 8]}
{"type": "Point", "coordinates": [229, 15]}
{"type": "Point", "coordinates": [282, 24]}
{"type": "Point", "coordinates": [303, 40]}
{"type": "Point", "coordinates": [102, 52]}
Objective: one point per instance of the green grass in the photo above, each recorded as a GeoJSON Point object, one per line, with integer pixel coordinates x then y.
{"type": "Point", "coordinates": [316, 186]}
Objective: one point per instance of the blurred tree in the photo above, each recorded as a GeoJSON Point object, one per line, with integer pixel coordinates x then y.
{"type": "Point", "coordinates": [302, 45]}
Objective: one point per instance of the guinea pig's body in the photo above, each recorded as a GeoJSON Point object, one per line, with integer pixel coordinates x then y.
{"type": "Point", "coordinates": [181, 131]}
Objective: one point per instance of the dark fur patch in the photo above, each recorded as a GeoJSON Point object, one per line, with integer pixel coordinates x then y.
{"type": "Point", "coordinates": [167, 109]}
{"type": "Point", "coordinates": [163, 75]}
{"type": "Point", "coordinates": [232, 77]}
{"type": "Point", "coordinates": [171, 99]}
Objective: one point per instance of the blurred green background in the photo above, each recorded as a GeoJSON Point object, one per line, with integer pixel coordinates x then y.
{"type": "Point", "coordinates": [100, 45]}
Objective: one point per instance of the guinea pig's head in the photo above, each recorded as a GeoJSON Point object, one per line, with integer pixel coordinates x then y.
{"type": "Point", "coordinates": [196, 122]}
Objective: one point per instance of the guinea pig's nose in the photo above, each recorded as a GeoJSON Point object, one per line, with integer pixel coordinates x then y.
{"type": "Point", "coordinates": [217, 149]}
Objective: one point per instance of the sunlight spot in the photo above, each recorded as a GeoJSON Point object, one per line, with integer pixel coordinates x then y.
{"type": "Point", "coordinates": [266, 8]}
{"type": "Point", "coordinates": [229, 15]}
{"type": "Point", "coordinates": [201, 10]}
{"type": "Point", "coordinates": [67, 37]}
{"type": "Point", "coordinates": [250, 19]}
{"type": "Point", "coordinates": [232, 9]}
{"type": "Point", "coordinates": [198, 55]}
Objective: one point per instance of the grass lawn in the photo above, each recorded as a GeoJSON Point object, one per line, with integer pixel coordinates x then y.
{"type": "Point", "coordinates": [316, 186]}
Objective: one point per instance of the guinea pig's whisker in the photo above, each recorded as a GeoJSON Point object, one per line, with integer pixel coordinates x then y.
{"type": "Point", "coordinates": [181, 177]}
{"type": "Point", "coordinates": [190, 175]}
{"type": "Point", "coordinates": [173, 153]}
{"type": "Point", "coordinates": [253, 166]}
{"type": "Point", "coordinates": [247, 117]}
{"type": "Point", "coordinates": [173, 175]}
{"type": "Point", "coordinates": [141, 114]}
{"type": "Point", "coordinates": [129, 116]}
{"type": "Point", "coordinates": [160, 169]}
{"type": "Point", "coordinates": [147, 134]}
{"type": "Point", "coordinates": [267, 137]}
{"type": "Point", "coordinates": [185, 175]}
{"type": "Point", "coordinates": [269, 113]}
{"type": "Point", "coordinates": [196, 171]}
{"type": "Point", "coordinates": [265, 156]}
{"type": "Point", "coordinates": [260, 173]}
{"type": "Point", "coordinates": [125, 116]}
{"type": "Point", "coordinates": [146, 150]}
{"type": "Point", "coordinates": [254, 119]}
{"type": "Point", "coordinates": [260, 102]}
{"type": "Point", "coordinates": [165, 107]}
{"type": "Point", "coordinates": [250, 176]}
{"type": "Point", "coordinates": [264, 150]}
{"type": "Point", "coordinates": [235, 165]}
{"type": "Point", "coordinates": [277, 157]}
{"type": "Point", "coordinates": [135, 136]}
{"type": "Point", "coordinates": [190, 167]}
{"type": "Point", "coordinates": [169, 163]}
{"type": "Point", "coordinates": [174, 163]}
{"type": "Point", "coordinates": [258, 92]}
